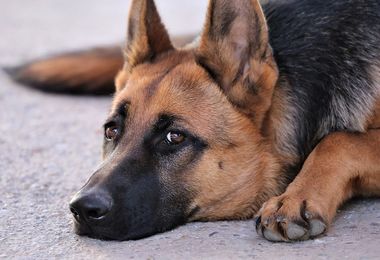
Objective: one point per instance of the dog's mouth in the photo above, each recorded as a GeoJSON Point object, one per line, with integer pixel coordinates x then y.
{"type": "Point", "coordinates": [83, 229]}
{"type": "Point", "coordinates": [117, 227]}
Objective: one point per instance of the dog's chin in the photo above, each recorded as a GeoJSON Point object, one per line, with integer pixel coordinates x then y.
{"type": "Point", "coordinates": [84, 230]}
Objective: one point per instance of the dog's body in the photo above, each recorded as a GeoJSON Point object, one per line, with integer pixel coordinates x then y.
{"type": "Point", "coordinates": [329, 77]}
{"type": "Point", "coordinates": [246, 120]}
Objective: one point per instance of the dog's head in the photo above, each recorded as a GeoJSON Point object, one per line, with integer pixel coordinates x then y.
{"type": "Point", "coordinates": [184, 139]}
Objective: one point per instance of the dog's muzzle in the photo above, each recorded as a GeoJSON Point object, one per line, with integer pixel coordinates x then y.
{"type": "Point", "coordinates": [90, 208]}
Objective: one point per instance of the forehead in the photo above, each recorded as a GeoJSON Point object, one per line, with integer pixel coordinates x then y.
{"type": "Point", "coordinates": [174, 85]}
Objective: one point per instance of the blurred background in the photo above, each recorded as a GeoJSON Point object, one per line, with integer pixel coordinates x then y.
{"type": "Point", "coordinates": [38, 27]}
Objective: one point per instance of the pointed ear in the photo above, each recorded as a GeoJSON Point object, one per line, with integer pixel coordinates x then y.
{"type": "Point", "coordinates": [147, 36]}
{"type": "Point", "coordinates": [234, 49]}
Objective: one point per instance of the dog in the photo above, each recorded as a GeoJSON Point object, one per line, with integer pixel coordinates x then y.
{"type": "Point", "coordinates": [273, 111]}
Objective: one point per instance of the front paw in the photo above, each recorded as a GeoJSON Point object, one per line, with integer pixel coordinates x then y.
{"type": "Point", "coordinates": [290, 218]}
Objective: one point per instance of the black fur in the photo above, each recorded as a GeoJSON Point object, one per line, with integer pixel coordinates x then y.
{"type": "Point", "coordinates": [324, 50]}
{"type": "Point", "coordinates": [143, 182]}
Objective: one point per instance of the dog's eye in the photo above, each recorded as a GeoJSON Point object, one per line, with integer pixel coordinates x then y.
{"type": "Point", "coordinates": [174, 138]}
{"type": "Point", "coordinates": [111, 133]}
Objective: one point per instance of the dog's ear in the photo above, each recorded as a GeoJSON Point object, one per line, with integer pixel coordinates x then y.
{"type": "Point", "coordinates": [234, 49]}
{"type": "Point", "coordinates": [147, 36]}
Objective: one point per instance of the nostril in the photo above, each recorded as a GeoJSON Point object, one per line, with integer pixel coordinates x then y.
{"type": "Point", "coordinates": [96, 213]}
{"type": "Point", "coordinates": [74, 212]}
{"type": "Point", "coordinates": [90, 206]}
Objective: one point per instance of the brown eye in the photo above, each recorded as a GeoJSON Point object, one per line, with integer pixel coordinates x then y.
{"type": "Point", "coordinates": [111, 133]}
{"type": "Point", "coordinates": [174, 138]}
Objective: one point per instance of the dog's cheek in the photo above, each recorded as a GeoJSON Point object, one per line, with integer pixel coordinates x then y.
{"type": "Point", "coordinates": [177, 193]}
{"type": "Point", "coordinates": [107, 149]}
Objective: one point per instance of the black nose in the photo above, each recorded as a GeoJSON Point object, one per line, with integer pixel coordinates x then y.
{"type": "Point", "coordinates": [90, 206]}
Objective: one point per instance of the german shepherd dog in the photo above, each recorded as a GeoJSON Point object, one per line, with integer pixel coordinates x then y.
{"type": "Point", "coordinates": [273, 112]}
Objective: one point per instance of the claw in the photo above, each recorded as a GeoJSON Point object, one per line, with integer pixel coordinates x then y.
{"type": "Point", "coordinates": [292, 222]}
{"type": "Point", "coordinates": [280, 219]}
{"type": "Point", "coordinates": [308, 215]}
{"type": "Point", "coordinates": [258, 226]}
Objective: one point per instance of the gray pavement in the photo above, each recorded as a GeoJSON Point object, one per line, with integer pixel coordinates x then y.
{"type": "Point", "coordinates": [50, 143]}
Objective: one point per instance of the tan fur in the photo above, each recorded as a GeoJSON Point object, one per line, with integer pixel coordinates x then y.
{"type": "Point", "coordinates": [79, 72]}
{"type": "Point", "coordinates": [317, 189]}
{"type": "Point", "coordinates": [343, 165]}
{"type": "Point", "coordinates": [236, 174]}
{"type": "Point", "coordinates": [186, 92]}
{"type": "Point", "coordinates": [243, 188]}
{"type": "Point", "coordinates": [82, 72]}
{"type": "Point", "coordinates": [147, 36]}
{"type": "Point", "coordinates": [226, 51]}
{"type": "Point", "coordinates": [229, 95]}
{"type": "Point", "coordinates": [243, 165]}
{"type": "Point", "coordinates": [95, 62]}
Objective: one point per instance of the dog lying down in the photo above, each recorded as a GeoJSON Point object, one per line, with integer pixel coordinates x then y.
{"type": "Point", "coordinates": [273, 112]}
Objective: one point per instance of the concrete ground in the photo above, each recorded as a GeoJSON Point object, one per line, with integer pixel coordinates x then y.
{"type": "Point", "coordinates": [50, 143]}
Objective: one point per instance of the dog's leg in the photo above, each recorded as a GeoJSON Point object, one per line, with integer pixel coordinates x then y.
{"type": "Point", "coordinates": [343, 165]}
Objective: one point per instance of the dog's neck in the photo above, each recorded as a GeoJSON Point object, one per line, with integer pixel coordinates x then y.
{"type": "Point", "coordinates": [278, 130]}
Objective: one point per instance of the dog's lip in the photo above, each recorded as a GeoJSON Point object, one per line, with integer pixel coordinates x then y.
{"type": "Point", "coordinates": [85, 224]}
{"type": "Point", "coordinates": [81, 229]}
{"type": "Point", "coordinates": [97, 219]}
{"type": "Point", "coordinates": [77, 221]}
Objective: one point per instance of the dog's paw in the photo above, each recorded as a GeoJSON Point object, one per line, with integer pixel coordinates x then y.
{"type": "Point", "coordinates": [287, 218]}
